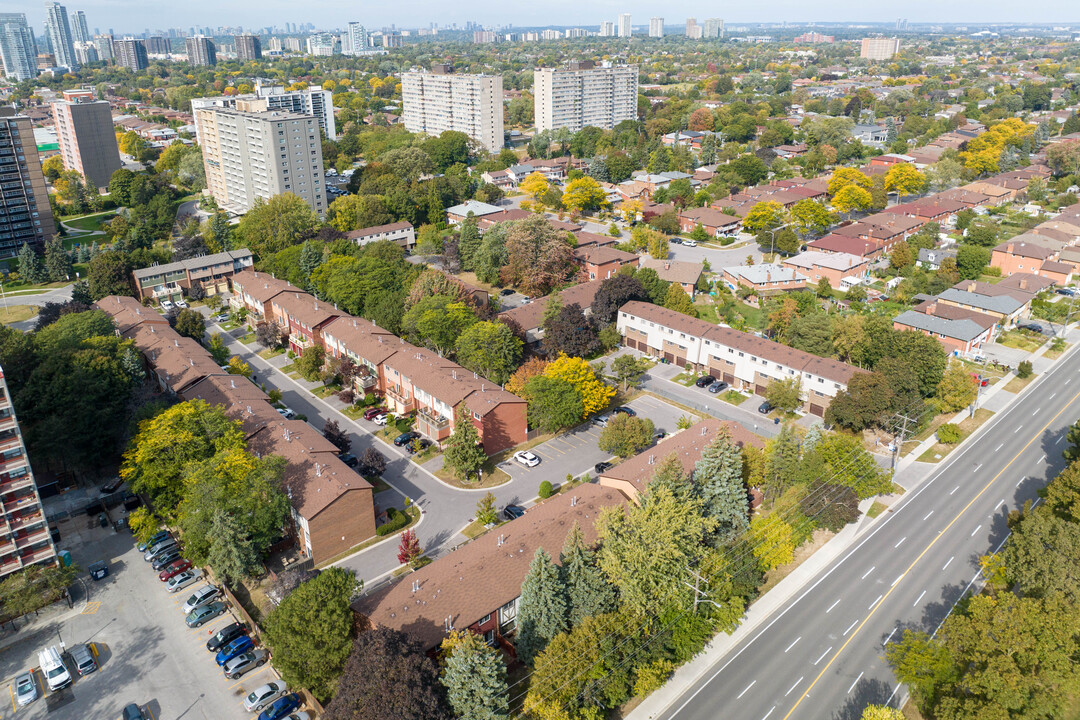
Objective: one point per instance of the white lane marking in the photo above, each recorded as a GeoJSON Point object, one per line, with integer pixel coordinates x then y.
{"type": "Point", "coordinates": [1059, 440]}
{"type": "Point", "coordinates": [890, 636]}
{"type": "Point", "coordinates": [1016, 430]}
{"type": "Point", "coordinates": [868, 572]}
{"type": "Point", "coordinates": [948, 563]}
{"type": "Point", "coordinates": [854, 683]}
{"type": "Point", "coordinates": [1022, 481]}
{"type": "Point", "coordinates": [1002, 445]}
{"type": "Point", "coordinates": [794, 686]}
{"type": "Point", "coordinates": [914, 604]}
{"type": "Point", "coordinates": [875, 602]}
{"type": "Point", "coordinates": [737, 697]}
{"type": "Point", "coordinates": [793, 644]}
{"type": "Point", "coordinates": [893, 693]}
{"type": "Point", "coordinates": [898, 578]}
{"type": "Point", "coordinates": [1043, 457]}
{"type": "Point", "coordinates": [955, 489]}
{"type": "Point", "coordinates": [975, 531]}
{"type": "Point", "coordinates": [1051, 397]}
{"type": "Point", "coordinates": [1034, 413]}
{"type": "Point", "coordinates": [928, 516]}
{"type": "Point", "coordinates": [999, 504]}
{"type": "Point", "coordinates": [849, 628]}
{"type": "Point", "coordinates": [900, 543]}
{"type": "Point", "coordinates": [823, 656]}
{"type": "Point", "coordinates": [769, 713]}
{"type": "Point", "coordinates": [976, 468]}
{"type": "Point", "coordinates": [833, 605]}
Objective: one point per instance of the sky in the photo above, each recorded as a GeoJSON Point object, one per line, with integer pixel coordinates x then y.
{"type": "Point", "coordinates": [133, 16]}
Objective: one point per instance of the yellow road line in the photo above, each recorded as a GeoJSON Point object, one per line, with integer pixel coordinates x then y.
{"type": "Point", "coordinates": [933, 542]}
{"type": "Point", "coordinates": [12, 693]}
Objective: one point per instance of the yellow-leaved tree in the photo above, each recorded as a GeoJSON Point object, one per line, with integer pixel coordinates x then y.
{"type": "Point", "coordinates": [583, 194]}
{"type": "Point", "coordinates": [772, 541]}
{"type": "Point", "coordinates": [763, 216]}
{"type": "Point", "coordinates": [595, 394]}
{"type": "Point", "coordinates": [845, 176]}
{"type": "Point", "coordinates": [904, 179]}
{"type": "Point", "coordinates": [852, 198]}
{"type": "Point", "coordinates": [534, 185]}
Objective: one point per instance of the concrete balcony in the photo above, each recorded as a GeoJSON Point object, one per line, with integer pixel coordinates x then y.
{"type": "Point", "coordinates": [367, 381]}
{"type": "Point", "coordinates": [396, 395]}
{"type": "Point", "coordinates": [38, 555]}
{"type": "Point", "coordinates": [26, 481]}
{"type": "Point", "coordinates": [32, 538]}
{"type": "Point", "coordinates": [433, 419]}
{"type": "Point", "coordinates": [26, 521]}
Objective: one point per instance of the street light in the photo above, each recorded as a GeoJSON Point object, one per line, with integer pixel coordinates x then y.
{"type": "Point", "coordinates": [772, 239]}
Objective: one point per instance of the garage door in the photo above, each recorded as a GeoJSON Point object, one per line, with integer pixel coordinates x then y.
{"type": "Point", "coordinates": [729, 379]}
{"type": "Point", "coordinates": [818, 410]}
{"type": "Point", "coordinates": [759, 390]}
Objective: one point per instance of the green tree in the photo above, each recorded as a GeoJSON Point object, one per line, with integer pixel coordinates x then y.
{"type": "Point", "coordinates": [1043, 556]}
{"type": "Point", "coordinates": [718, 483]}
{"type": "Point", "coordinates": [190, 323]}
{"type": "Point", "coordinates": [490, 349]}
{"type": "Point", "coordinates": [486, 514]}
{"type": "Point", "coordinates": [810, 216]}
{"type": "Point", "coordinates": [628, 370]}
{"type": "Point", "coordinates": [469, 242]}
{"type": "Point", "coordinates": [218, 349]}
{"type": "Point", "coordinates": [772, 541]}
{"type": "Point", "coordinates": [492, 254]}
{"type": "Point", "coordinates": [475, 679]}
{"type": "Point", "coordinates": [785, 394]}
{"type": "Point", "coordinates": [677, 300]}
{"type": "Point", "coordinates": [463, 454]}
{"type": "Point", "coordinates": [957, 389]}
{"type": "Point", "coordinates": [30, 266]}
{"type": "Point", "coordinates": [231, 554]}
{"type": "Point", "coordinates": [927, 667]}
{"type": "Point", "coordinates": [971, 260]}
{"type": "Point", "coordinates": [587, 592]}
{"type": "Point", "coordinates": [554, 403]}
{"type": "Point", "coordinates": [881, 712]}
{"type": "Point", "coordinates": [542, 608]}
{"type": "Point", "coordinates": [626, 436]}
{"type": "Point", "coordinates": [57, 260]}
{"type": "Point", "coordinates": [275, 224]}
{"type": "Point", "coordinates": [109, 274]}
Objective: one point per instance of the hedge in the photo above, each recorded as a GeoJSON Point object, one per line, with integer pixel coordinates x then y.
{"type": "Point", "coordinates": [395, 520]}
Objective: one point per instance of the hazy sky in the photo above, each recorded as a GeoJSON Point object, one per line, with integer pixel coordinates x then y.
{"type": "Point", "coordinates": [137, 15]}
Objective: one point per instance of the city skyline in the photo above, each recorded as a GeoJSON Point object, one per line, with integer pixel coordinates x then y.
{"type": "Point", "coordinates": [130, 17]}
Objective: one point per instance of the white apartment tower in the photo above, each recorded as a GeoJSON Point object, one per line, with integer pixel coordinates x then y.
{"type": "Point", "coordinates": [78, 27]}
{"type": "Point", "coordinates": [714, 28]}
{"type": "Point", "coordinates": [60, 36]}
{"type": "Point", "coordinates": [355, 40]}
{"type": "Point", "coordinates": [625, 29]}
{"type": "Point", "coordinates": [312, 101]}
{"type": "Point", "coordinates": [582, 94]}
{"type": "Point", "coordinates": [656, 27]}
{"type": "Point", "coordinates": [607, 29]}
{"type": "Point", "coordinates": [693, 30]}
{"type": "Point", "coordinates": [879, 48]}
{"type": "Point", "coordinates": [437, 101]}
{"type": "Point", "coordinates": [17, 49]}
{"type": "Point", "coordinates": [251, 153]}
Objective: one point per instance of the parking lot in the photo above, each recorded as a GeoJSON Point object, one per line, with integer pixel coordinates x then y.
{"type": "Point", "coordinates": [145, 652]}
{"type": "Point", "coordinates": [575, 452]}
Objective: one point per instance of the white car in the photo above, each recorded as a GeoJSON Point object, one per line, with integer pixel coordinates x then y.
{"type": "Point", "coordinates": [167, 305]}
{"type": "Point", "coordinates": [603, 420]}
{"type": "Point", "coordinates": [381, 419]}
{"type": "Point", "coordinates": [286, 413]}
{"type": "Point", "coordinates": [263, 695]}
{"type": "Point", "coordinates": [526, 458]}
{"type": "Point", "coordinates": [689, 243]}
{"type": "Point", "coordinates": [181, 581]}
{"type": "Point", "coordinates": [200, 597]}
{"type": "Point", "coordinates": [25, 689]}
{"type": "Point", "coordinates": [181, 303]}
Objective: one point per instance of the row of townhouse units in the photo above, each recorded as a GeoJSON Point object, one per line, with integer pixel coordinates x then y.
{"type": "Point", "coordinates": [741, 359]}
{"type": "Point", "coordinates": [333, 507]}
{"type": "Point", "coordinates": [410, 379]}
{"type": "Point", "coordinates": [209, 273]}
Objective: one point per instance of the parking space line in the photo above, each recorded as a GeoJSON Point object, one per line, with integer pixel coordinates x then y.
{"type": "Point", "coordinates": [91, 607]}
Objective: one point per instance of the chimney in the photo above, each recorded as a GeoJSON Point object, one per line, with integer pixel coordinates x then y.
{"type": "Point", "coordinates": [667, 266]}
{"type": "Point", "coordinates": [1009, 248]}
{"type": "Point", "coordinates": [1023, 284]}
{"type": "Point", "coordinates": [931, 308]}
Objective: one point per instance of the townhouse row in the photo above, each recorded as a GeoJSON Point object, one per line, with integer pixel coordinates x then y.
{"type": "Point", "coordinates": [333, 507]}
{"type": "Point", "coordinates": [409, 378]}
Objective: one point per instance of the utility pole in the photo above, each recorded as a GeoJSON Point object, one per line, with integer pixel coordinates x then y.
{"type": "Point", "coordinates": [700, 592]}
{"type": "Point", "coordinates": [899, 438]}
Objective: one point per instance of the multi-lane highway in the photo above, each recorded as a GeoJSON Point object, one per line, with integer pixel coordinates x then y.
{"type": "Point", "coordinates": [822, 655]}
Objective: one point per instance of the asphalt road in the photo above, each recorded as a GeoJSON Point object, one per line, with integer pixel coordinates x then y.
{"type": "Point", "coordinates": [822, 656]}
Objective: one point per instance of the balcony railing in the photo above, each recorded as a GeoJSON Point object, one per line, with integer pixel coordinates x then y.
{"type": "Point", "coordinates": [37, 555]}
{"type": "Point", "coordinates": [434, 419]}
{"type": "Point", "coordinates": [32, 537]}
{"type": "Point", "coordinates": [26, 521]}
{"type": "Point", "coordinates": [16, 483]}
{"type": "Point", "coordinates": [367, 381]}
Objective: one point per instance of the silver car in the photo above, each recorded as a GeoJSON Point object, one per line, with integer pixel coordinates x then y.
{"type": "Point", "coordinates": [154, 550]}
{"type": "Point", "coordinates": [200, 597]}
{"type": "Point", "coordinates": [243, 664]}
{"type": "Point", "coordinates": [182, 580]}
{"type": "Point", "coordinates": [263, 695]}
{"type": "Point", "coordinates": [25, 689]}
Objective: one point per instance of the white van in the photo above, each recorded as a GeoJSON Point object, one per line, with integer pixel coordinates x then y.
{"type": "Point", "coordinates": [53, 668]}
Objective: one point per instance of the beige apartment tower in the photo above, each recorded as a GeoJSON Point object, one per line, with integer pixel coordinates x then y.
{"type": "Point", "coordinates": [252, 152]}
{"type": "Point", "coordinates": [582, 94]}
{"type": "Point", "coordinates": [437, 101]}
{"type": "Point", "coordinates": [84, 131]}
{"type": "Point", "coordinates": [879, 48]}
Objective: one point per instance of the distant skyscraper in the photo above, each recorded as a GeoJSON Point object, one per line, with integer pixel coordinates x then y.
{"type": "Point", "coordinates": [693, 30]}
{"type": "Point", "coordinates": [656, 27]}
{"type": "Point", "coordinates": [607, 29]}
{"type": "Point", "coordinates": [85, 52]}
{"type": "Point", "coordinates": [60, 36]}
{"type": "Point", "coordinates": [355, 39]}
{"type": "Point", "coordinates": [321, 44]}
{"type": "Point", "coordinates": [582, 94]}
{"type": "Point", "coordinates": [104, 45]}
{"type": "Point", "coordinates": [437, 101]}
{"type": "Point", "coordinates": [78, 27]}
{"type": "Point", "coordinates": [201, 51]}
{"type": "Point", "coordinates": [714, 28]}
{"type": "Point", "coordinates": [17, 49]}
{"type": "Point", "coordinates": [158, 45]}
{"type": "Point", "coordinates": [625, 29]}
{"type": "Point", "coordinates": [130, 53]}
{"type": "Point", "coordinates": [84, 131]}
{"type": "Point", "coordinates": [879, 48]}
{"type": "Point", "coordinates": [25, 215]}
{"type": "Point", "coordinates": [248, 47]}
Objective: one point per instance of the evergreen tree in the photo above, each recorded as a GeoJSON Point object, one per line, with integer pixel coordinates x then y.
{"type": "Point", "coordinates": [311, 257]}
{"type": "Point", "coordinates": [80, 292]}
{"type": "Point", "coordinates": [94, 250]}
{"type": "Point", "coordinates": [475, 679]}
{"type": "Point", "coordinates": [464, 455]}
{"type": "Point", "coordinates": [542, 608]}
{"type": "Point", "coordinates": [813, 437]}
{"type": "Point", "coordinates": [587, 591]}
{"type": "Point", "coordinates": [57, 260]}
{"type": "Point", "coordinates": [83, 255]}
{"type": "Point", "coordinates": [468, 242]}
{"type": "Point", "coordinates": [669, 473]}
{"type": "Point", "coordinates": [598, 169]}
{"type": "Point", "coordinates": [890, 131]}
{"type": "Point", "coordinates": [1072, 124]}
{"type": "Point", "coordinates": [783, 461]}
{"type": "Point", "coordinates": [718, 482]}
{"type": "Point", "coordinates": [231, 554]}
{"type": "Point", "coordinates": [677, 300]}
{"type": "Point", "coordinates": [30, 267]}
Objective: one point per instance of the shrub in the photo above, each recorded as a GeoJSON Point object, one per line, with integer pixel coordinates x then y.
{"type": "Point", "coordinates": [395, 520]}
{"type": "Point", "coordinates": [652, 676]}
{"type": "Point", "coordinates": [404, 424]}
{"type": "Point", "coordinates": [346, 396]}
{"type": "Point", "coordinates": [1023, 370]}
{"type": "Point", "coordinates": [369, 400]}
{"type": "Point", "coordinates": [546, 490]}
{"type": "Point", "coordinates": [949, 434]}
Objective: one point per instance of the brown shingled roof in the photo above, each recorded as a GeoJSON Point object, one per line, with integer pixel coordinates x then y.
{"type": "Point", "coordinates": [127, 312]}
{"type": "Point", "coordinates": [363, 337]}
{"type": "Point", "coordinates": [678, 271]}
{"type": "Point", "coordinates": [305, 308]}
{"type": "Point", "coordinates": [531, 316]}
{"type": "Point", "coordinates": [259, 285]}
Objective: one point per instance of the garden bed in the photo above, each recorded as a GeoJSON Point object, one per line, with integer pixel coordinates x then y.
{"type": "Point", "coordinates": [492, 477]}
{"type": "Point", "coordinates": [412, 511]}
{"type": "Point", "coordinates": [267, 354]}
{"type": "Point", "coordinates": [734, 397]}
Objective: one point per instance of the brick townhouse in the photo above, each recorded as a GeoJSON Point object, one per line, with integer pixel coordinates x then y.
{"type": "Point", "coordinates": [302, 318]}
{"type": "Point", "coordinates": [172, 281]}
{"type": "Point", "coordinates": [401, 233]}
{"type": "Point", "coordinates": [477, 587]}
{"type": "Point", "coordinates": [743, 360]}
{"type": "Point", "coordinates": [962, 332]}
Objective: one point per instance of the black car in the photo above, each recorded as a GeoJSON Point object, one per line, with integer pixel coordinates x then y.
{"type": "Point", "coordinates": [406, 437]}
{"type": "Point", "coordinates": [705, 381]}
{"type": "Point", "coordinates": [133, 712]}
{"type": "Point", "coordinates": [349, 459]}
{"type": "Point", "coordinates": [226, 635]}
{"type": "Point", "coordinates": [418, 445]}
{"type": "Point", "coordinates": [602, 467]}
{"type": "Point", "coordinates": [765, 408]}
{"type": "Point", "coordinates": [624, 410]}
{"type": "Point", "coordinates": [507, 291]}
{"type": "Point", "coordinates": [161, 561]}
{"type": "Point", "coordinates": [718, 387]}
{"type": "Point", "coordinates": [511, 512]}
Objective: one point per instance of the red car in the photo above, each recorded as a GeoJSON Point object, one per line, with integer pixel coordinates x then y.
{"type": "Point", "coordinates": [374, 412]}
{"type": "Point", "coordinates": [174, 569]}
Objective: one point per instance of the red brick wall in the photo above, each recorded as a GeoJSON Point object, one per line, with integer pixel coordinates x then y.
{"type": "Point", "coordinates": [504, 427]}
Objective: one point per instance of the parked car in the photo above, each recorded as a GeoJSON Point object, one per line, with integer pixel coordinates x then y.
{"type": "Point", "coordinates": [167, 305]}
{"type": "Point", "coordinates": [221, 317]}
{"type": "Point", "coordinates": [526, 458]}
{"type": "Point", "coordinates": [182, 580]}
{"type": "Point", "coordinates": [243, 664]}
{"type": "Point", "coordinates": [161, 535]}
{"type": "Point", "coordinates": [623, 410]}
{"type": "Point", "coordinates": [705, 381]}
{"type": "Point", "coordinates": [513, 511]}
{"type": "Point", "coordinates": [406, 438]}
{"type": "Point", "coordinates": [765, 408]}
{"type": "Point", "coordinates": [226, 635]}
{"type": "Point", "coordinates": [133, 712]}
{"type": "Point", "coordinates": [675, 241]}
{"type": "Point", "coordinates": [689, 243]}
{"type": "Point", "coordinates": [162, 546]}
{"type": "Point", "coordinates": [602, 420]}
{"type": "Point", "coordinates": [53, 668]}
{"type": "Point", "coordinates": [173, 569]}
{"type": "Point", "coordinates": [602, 467]}
{"type": "Point", "coordinates": [263, 695]}
{"type": "Point", "coordinates": [202, 615]}
{"type": "Point", "coordinates": [166, 559]}
{"type": "Point", "coordinates": [83, 659]}
{"type": "Point", "coordinates": [373, 412]}
{"type": "Point", "coordinates": [718, 386]}
{"type": "Point", "coordinates": [349, 459]}
{"type": "Point", "coordinates": [200, 597]}
{"type": "Point", "coordinates": [239, 645]}
{"type": "Point", "coordinates": [418, 445]}
{"type": "Point", "coordinates": [1071, 292]}
{"type": "Point", "coordinates": [381, 419]}
{"type": "Point", "coordinates": [286, 413]}
{"type": "Point", "coordinates": [507, 291]}
{"type": "Point", "coordinates": [281, 708]}
{"type": "Point", "coordinates": [181, 303]}
{"type": "Point", "coordinates": [25, 689]}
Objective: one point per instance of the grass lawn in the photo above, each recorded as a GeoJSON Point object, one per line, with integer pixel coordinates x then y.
{"type": "Point", "coordinates": [377, 483]}
{"type": "Point", "coordinates": [354, 412]}
{"type": "Point", "coordinates": [967, 426]}
{"type": "Point", "coordinates": [707, 312]}
{"type": "Point", "coordinates": [327, 390]}
{"type": "Point", "coordinates": [734, 397]}
{"type": "Point", "coordinates": [493, 477]}
{"type": "Point", "coordinates": [90, 223]}
{"type": "Point", "coordinates": [290, 368]}
{"type": "Point", "coordinates": [475, 529]}
{"type": "Point", "coordinates": [267, 354]}
{"type": "Point", "coordinates": [686, 379]}
{"type": "Point", "coordinates": [423, 457]}
{"type": "Point", "coordinates": [876, 509]}
{"type": "Point", "coordinates": [248, 339]}
{"type": "Point", "coordinates": [751, 314]}
{"type": "Point", "coordinates": [1056, 351]}
{"type": "Point", "coordinates": [1022, 340]}
{"type": "Point", "coordinates": [17, 313]}
{"type": "Point", "coordinates": [414, 513]}
{"type": "Point", "coordinates": [992, 279]}
{"type": "Point", "coordinates": [1017, 384]}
